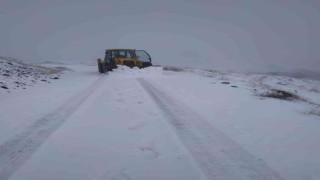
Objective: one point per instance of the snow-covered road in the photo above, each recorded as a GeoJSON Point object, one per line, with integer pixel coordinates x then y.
{"type": "Point", "coordinates": [18, 149]}
{"type": "Point", "coordinates": [142, 124]}
{"type": "Point", "coordinates": [218, 156]}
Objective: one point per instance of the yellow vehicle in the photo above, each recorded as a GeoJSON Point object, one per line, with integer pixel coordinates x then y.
{"type": "Point", "coordinates": [126, 57]}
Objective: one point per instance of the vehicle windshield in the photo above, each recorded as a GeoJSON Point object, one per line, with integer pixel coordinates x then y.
{"type": "Point", "coordinates": [143, 56]}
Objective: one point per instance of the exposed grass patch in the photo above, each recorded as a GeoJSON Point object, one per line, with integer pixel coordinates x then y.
{"type": "Point", "coordinates": [315, 112]}
{"type": "Point", "coordinates": [281, 94]}
{"type": "Point", "coordinates": [170, 68]}
{"type": "Point", "coordinates": [225, 82]}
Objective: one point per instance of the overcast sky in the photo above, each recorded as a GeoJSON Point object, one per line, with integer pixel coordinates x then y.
{"type": "Point", "coordinates": [214, 34]}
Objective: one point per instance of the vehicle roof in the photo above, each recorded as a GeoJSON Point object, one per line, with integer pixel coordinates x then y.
{"type": "Point", "coordinates": [120, 49]}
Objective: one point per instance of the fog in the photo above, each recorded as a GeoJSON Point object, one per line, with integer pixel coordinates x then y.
{"type": "Point", "coordinates": [249, 35]}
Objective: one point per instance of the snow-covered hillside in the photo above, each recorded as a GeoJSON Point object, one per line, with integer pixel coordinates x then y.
{"type": "Point", "coordinates": [152, 124]}
{"type": "Point", "coordinates": [15, 74]}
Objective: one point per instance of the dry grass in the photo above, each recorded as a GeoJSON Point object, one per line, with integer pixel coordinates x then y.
{"type": "Point", "coordinates": [170, 68]}
{"type": "Point", "coordinates": [281, 94]}
{"type": "Point", "coordinates": [315, 112]}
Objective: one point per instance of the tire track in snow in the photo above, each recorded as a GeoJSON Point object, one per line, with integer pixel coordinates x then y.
{"type": "Point", "coordinates": [217, 155]}
{"type": "Point", "coordinates": [15, 151]}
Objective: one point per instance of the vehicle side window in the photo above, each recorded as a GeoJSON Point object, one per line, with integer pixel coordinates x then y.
{"type": "Point", "coordinates": [129, 54]}
{"type": "Point", "coordinates": [113, 54]}
{"type": "Point", "coordinates": [143, 56]}
{"type": "Point", "coordinates": [122, 54]}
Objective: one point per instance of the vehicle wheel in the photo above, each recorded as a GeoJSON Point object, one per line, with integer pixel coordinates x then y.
{"type": "Point", "coordinates": [105, 68]}
{"type": "Point", "coordinates": [100, 67]}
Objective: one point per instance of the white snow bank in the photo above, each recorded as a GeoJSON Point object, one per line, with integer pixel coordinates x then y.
{"type": "Point", "coordinates": [125, 71]}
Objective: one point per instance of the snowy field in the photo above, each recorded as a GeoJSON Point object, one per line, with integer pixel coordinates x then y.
{"type": "Point", "coordinates": [154, 124]}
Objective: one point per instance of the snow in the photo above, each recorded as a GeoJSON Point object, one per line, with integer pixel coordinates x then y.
{"type": "Point", "coordinates": [155, 124]}
{"type": "Point", "coordinates": [15, 74]}
{"type": "Point", "coordinates": [125, 71]}
{"type": "Point", "coordinates": [276, 131]}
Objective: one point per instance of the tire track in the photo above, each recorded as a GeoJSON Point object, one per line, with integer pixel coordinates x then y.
{"type": "Point", "coordinates": [217, 155]}
{"type": "Point", "coordinates": [17, 150]}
